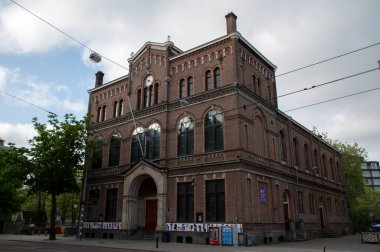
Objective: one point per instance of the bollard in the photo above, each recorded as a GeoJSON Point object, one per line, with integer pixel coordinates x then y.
{"type": "Point", "coordinates": [156, 242]}
{"type": "Point", "coordinates": [324, 249]}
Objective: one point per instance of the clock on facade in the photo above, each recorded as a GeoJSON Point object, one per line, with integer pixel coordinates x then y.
{"type": "Point", "coordinates": [148, 80]}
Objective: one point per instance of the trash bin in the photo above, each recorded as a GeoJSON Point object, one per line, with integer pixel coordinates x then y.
{"type": "Point", "coordinates": [249, 240]}
{"type": "Point", "coordinates": [165, 236]}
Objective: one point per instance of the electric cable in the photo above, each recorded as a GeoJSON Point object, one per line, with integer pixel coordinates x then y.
{"type": "Point", "coordinates": [334, 99]}
{"type": "Point", "coordinates": [323, 61]}
{"type": "Point", "coordinates": [68, 35]}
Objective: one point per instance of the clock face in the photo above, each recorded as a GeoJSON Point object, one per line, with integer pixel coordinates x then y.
{"type": "Point", "coordinates": [148, 80]}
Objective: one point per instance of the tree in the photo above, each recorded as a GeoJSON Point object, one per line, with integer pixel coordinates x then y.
{"type": "Point", "coordinates": [57, 153]}
{"type": "Point", "coordinates": [13, 167]}
{"type": "Point", "coordinates": [363, 203]}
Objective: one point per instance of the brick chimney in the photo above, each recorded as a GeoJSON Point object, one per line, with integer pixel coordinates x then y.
{"type": "Point", "coordinates": [231, 22]}
{"type": "Point", "coordinates": [99, 79]}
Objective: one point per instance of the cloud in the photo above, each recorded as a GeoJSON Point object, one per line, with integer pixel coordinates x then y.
{"type": "Point", "coordinates": [17, 133]}
{"type": "Point", "coordinates": [74, 106]}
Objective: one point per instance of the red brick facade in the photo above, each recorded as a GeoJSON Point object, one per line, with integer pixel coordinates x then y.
{"type": "Point", "coordinates": [275, 172]}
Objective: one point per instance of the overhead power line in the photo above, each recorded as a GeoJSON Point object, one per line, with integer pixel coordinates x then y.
{"type": "Point", "coordinates": [66, 34]}
{"type": "Point", "coordinates": [24, 101]}
{"type": "Point", "coordinates": [334, 99]}
{"type": "Point", "coordinates": [329, 82]}
{"type": "Point", "coordinates": [323, 61]}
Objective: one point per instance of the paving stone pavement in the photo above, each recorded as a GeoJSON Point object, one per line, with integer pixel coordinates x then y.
{"type": "Point", "coordinates": [351, 243]}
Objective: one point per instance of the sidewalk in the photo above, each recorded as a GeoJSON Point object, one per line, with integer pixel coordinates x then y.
{"type": "Point", "coordinates": [347, 244]}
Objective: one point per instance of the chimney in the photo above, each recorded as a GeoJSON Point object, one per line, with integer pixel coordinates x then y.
{"type": "Point", "coordinates": [99, 79]}
{"type": "Point", "coordinates": [231, 22]}
{"type": "Point", "coordinates": [1, 142]}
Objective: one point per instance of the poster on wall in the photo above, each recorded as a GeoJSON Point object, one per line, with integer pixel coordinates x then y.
{"type": "Point", "coordinates": [199, 227]}
{"type": "Point", "coordinates": [263, 198]}
{"type": "Point", "coordinates": [227, 237]}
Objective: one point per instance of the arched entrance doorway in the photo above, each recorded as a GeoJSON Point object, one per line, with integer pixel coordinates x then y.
{"type": "Point", "coordinates": [144, 200]}
{"type": "Point", "coordinates": [147, 205]}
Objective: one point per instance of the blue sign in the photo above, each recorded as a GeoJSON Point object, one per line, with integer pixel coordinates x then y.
{"type": "Point", "coordinates": [263, 198]}
{"type": "Point", "coordinates": [227, 237]}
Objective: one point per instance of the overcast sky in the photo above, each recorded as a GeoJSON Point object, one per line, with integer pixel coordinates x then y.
{"type": "Point", "coordinates": [42, 66]}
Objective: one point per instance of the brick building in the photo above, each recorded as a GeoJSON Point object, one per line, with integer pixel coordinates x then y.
{"type": "Point", "coordinates": [206, 146]}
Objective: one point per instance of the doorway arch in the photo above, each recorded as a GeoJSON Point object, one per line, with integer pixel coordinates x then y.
{"type": "Point", "coordinates": [144, 198]}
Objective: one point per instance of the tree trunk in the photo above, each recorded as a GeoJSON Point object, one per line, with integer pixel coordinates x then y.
{"type": "Point", "coordinates": [52, 216]}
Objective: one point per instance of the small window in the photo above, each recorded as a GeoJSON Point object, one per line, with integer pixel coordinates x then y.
{"type": "Point", "coordinates": [185, 137]}
{"type": "Point", "coordinates": [217, 82]}
{"type": "Point", "coordinates": [282, 146]}
{"type": "Point", "coordinates": [208, 80]}
{"type": "Point", "coordinates": [156, 93]}
{"type": "Point", "coordinates": [189, 86]}
{"type": "Point", "coordinates": [182, 88]}
{"type": "Point", "coordinates": [115, 109]}
{"type": "Point", "coordinates": [104, 113]}
{"type": "Point", "coordinates": [139, 99]}
{"type": "Point", "coordinates": [121, 107]}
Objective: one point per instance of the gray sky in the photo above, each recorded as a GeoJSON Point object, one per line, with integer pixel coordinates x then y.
{"type": "Point", "coordinates": [42, 66]}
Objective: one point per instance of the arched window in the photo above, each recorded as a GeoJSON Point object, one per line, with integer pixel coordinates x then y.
{"type": "Point", "coordinates": [315, 161]}
{"type": "Point", "coordinates": [333, 176]}
{"type": "Point", "coordinates": [307, 158]}
{"type": "Point", "coordinates": [311, 203]}
{"type": "Point", "coordinates": [185, 137]}
{"type": "Point", "coordinates": [99, 114]}
{"type": "Point", "coordinates": [189, 86]}
{"type": "Point", "coordinates": [104, 113]}
{"type": "Point", "coordinates": [114, 152]}
{"type": "Point", "coordinates": [121, 107]}
{"type": "Point", "coordinates": [139, 99]}
{"type": "Point", "coordinates": [213, 131]}
{"type": "Point", "coordinates": [254, 83]}
{"type": "Point", "coordinates": [208, 80]}
{"type": "Point", "coordinates": [153, 141]}
{"type": "Point", "coordinates": [259, 87]}
{"type": "Point", "coordinates": [156, 93]}
{"type": "Point", "coordinates": [282, 146]}
{"type": "Point", "coordinates": [138, 138]}
{"type": "Point", "coordinates": [97, 154]}
{"type": "Point", "coordinates": [148, 96]}
{"type": "Point", "coordinates": [115, 109]}
{"type": "Point", "coordinates": [296, 152]}
{"type": "Point", "coordinates": [217, 82]}
{"type": "Point", "coordinates": [182, 88]}
{"type": "Point", "coordinates": [324, 164]}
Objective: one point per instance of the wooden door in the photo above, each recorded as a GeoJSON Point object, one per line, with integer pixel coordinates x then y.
{"type": "Point", "coordinates": [150, 215]}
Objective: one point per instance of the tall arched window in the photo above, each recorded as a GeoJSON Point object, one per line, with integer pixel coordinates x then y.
{"type": "Point", "coordinates": [153, 141]}
{"type": "Point", "coordinates": [185, 137]}
{"type": "Point", "coordinates": [182, 88]}
{"type": "Point", "coordinates": [189, 86]}
{"type": "Point", "coordinates": [139, 99]}
{"type": "Point", "coordinates": [324, 164]}
{"type": "Point", "coordinates": [148, 91]}
{"type": "Point", "coordinates": [333, 176]}
{"type": "Point", "coordinates": [104, 113]}
{"type": "Point", "coordinates": [114, 151]}
{"type": "Point", "coordinates": [213, 131]}
{"type": "Point", "coordinates": [208, 80]}
{"type": "Point", "coordinates": [307, 158]}
{"type": "Point", "coordinates": [315, 161]}
{"type": "Point", "coordinates": [254, 83]}
{"type": "Point", "coordinates": [99, 114]}
{"type": "Point", "coordinates": [97, 154]}
{"type": "Point", "coordinates": [259, 87]}
{"type": "Point", "coordinates": [156, 93]}
{"type": "Point", "coordinates": [282, 146]}
{"type": "Point", "coordinates": [121, 107]}
{"type": "Point", "coordinates": [296, 152]}
{"type": "Point", "coordinates": [115, 109]}
{"type": "Point", "coordinates": [217, 82]}
{"type": "Point", "coordinates": [138, 138]}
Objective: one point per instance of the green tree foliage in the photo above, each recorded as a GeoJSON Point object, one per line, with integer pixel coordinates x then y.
{"type": "Point", "coordinates": [13, 167]}
{"type": "Point", "coordinates": [57, 153]}
{"type": "Point", "coordinates": [363, 203]}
